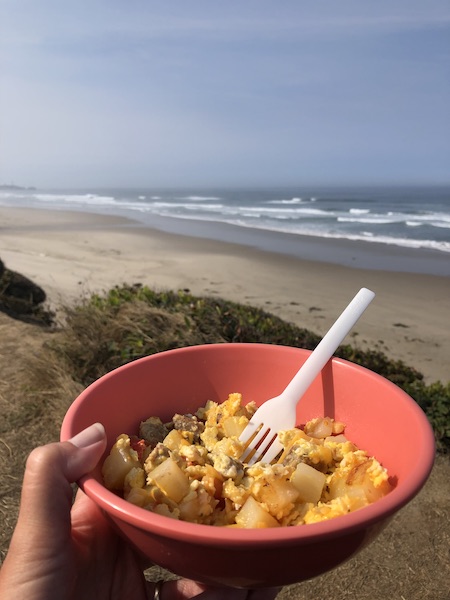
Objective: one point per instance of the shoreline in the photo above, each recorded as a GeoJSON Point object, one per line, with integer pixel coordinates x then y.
{"type": "Point", "coordinates": [74, 254]}
{"type": "Point", "coordinates": [372, 255]}
{"type": "Point", "coordinates": [358, 253]}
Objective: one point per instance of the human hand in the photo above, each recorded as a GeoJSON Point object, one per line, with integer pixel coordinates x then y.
{"type": "Point", "coordinates": [69, 552]}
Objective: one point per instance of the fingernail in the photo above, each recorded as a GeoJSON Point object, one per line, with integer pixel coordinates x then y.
{"type": "Point", "coordinates": [92, 434]}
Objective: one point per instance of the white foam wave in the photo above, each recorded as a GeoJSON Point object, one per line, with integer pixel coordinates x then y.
{"type": "Point", "coordinates": [90, 199]}
{"type": "Point", "coordinates": [429, 218]}
{"type": "Point", "coordinates": [441, 246]}
{"type": "Point", "coordinates": [314, 211]}
{"type": "Point", "coordinates": [368, 220]}
{"type": "Point", "coordinates": [291, 201]}
{"type": "Point", "coordinates": [403, 242]}
{"type": "Point", "coordinates": [162, 204]}
{"type": "Point", "coordinates": [363, 236]}
{"type": "Point", "coordinates": [442, 225]}
{"type": "Point", "coordinates": [359, 211]}
{"type": "Point", "coordinates": [202, 207]}
{"type": "Point", "coordinates": [277, 212]}
{"type": "Point", "coordinates": [198, 198]}
{"type": "Point", "coordinates": [290, 215]}
{"type": "Point", "coordinates": [433, 218]}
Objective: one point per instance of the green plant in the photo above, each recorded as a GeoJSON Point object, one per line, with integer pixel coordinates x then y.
{"type": "Point", "coordinates": [129, 322]}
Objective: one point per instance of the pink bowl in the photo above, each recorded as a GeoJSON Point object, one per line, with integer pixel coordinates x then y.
{"type": "Point", "coordinates": [380, 418]}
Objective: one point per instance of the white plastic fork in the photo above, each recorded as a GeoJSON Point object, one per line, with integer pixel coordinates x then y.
{"type": "Point", "coordinates": [279, 413]}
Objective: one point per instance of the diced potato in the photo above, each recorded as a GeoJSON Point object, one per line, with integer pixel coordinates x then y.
{"type": "Point", "coordinates": [170, 479]}
{"type": "Point", "coordinates": [309, 482]}
{"type": "Point", "coordinates": [167, 511]}
{"type": "Point", "coordinates": [189, 508]}
{"type": "Point", "coordinates": [138, 496]}
{"type": "Point", "coordinates": [338, 427]}
{"type": "Point", "coordinates": [253, 516]}
{"type": "Point", "coordinates": [150, 495]}
{"type": "Point", "coordinates": [135, 478]}
{"type": "Point", "coordinates": [319, 428]}
{"type": "Point", "coordinates": [234, 426]}
{"type": "Point", "coordinates": [366, 479]}
{"type": "Point", "coordinates": [336, 439]}
{"type": "Point", "coordinates": [147, 496]}
{"type": "Point", "coordinates": [354, 495]}
{"type": "Point", "coordinates": [197, 506]}
{"type": "Point", "coordinates": [118, 463]}
{"type": "Point", "coordinates": [278, 495]}
{"type": "Point", "coordinates": [174, 440]}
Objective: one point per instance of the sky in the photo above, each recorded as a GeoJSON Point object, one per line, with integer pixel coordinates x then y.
{"type": "Point", "coordinates": [134, 93]}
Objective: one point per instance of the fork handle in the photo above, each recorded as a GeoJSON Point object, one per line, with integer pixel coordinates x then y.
{"type": "Point", "coordinates": [326, 347]}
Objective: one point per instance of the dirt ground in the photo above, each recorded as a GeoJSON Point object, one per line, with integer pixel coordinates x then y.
{"type": "Point", "coordinates": [408, 561]}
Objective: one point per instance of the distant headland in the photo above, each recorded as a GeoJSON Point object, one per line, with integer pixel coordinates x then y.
{"type": "Point", "coordinates": [10, 187]}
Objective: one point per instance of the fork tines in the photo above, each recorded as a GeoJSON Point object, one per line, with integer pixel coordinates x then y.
{"type": "Point", "coordinates": [262, 445]}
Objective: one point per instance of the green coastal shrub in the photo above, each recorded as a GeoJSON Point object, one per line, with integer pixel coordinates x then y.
{"type": "Point", "coordinates": [129, 322]}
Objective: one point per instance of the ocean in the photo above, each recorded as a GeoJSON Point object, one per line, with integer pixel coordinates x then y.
{"type": "Point", "coordinates": [406, 217]}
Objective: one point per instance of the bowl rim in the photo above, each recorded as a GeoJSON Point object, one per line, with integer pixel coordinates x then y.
{"type": "Point", "coordinates": [164, 526]}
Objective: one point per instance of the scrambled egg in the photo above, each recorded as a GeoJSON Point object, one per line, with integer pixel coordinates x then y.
{"type": "Point", "coordinates": [190, 469]}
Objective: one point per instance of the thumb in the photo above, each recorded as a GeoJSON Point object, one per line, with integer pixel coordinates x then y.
{"type": "Point", "coordinates": [47, 492]}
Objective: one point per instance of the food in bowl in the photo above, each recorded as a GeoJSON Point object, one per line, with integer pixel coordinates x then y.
{"type": "Point", "coordinates": [379, 417]}
{"type": "Point", "coordinates": [190, 469]}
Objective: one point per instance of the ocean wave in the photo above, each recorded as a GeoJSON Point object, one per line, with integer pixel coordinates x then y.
{"type": "Point", "coordinates": [314, 211]}
{"type": "Point", "coordinates": [423, 217]}
{"type": "Point", "coordinates": [278, 208]}
{"type": "Point", "coordinates": [291, 201]}
{"type": "Point", "coordinates": [394, 241]}
{"type": "Point", "coordinates": [90, 199]}
{"type": "Point", "coordinates": [441, 246]}
{"type": "Point", "coordinates": [198, 198]}
{"type": "Point", "coordinates": [368, 220]}
{"type": "Point", "coordinates": [161, 204]}
{"type": "Point", "coordinates": [441, 225]}
{"type": "Point", "coordinates": [364, 236]}
{"type": "Point", "coordinates": [266, 210]}
{"type": "Point", "coordinates": [202, 207]}
{"type": "Point", "coordinates": [359, 211]}
{"type": "Point", "coordinates": [433, 217]}
{"type": "Point", "coordinates": [396, 224]}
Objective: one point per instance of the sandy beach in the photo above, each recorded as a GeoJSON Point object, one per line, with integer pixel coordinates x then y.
{"type": "Point", "coordinates": [73, 254]}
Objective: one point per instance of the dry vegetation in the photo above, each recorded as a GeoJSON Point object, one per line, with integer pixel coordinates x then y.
{"type": "Point", "coordinates": [43, 369]}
